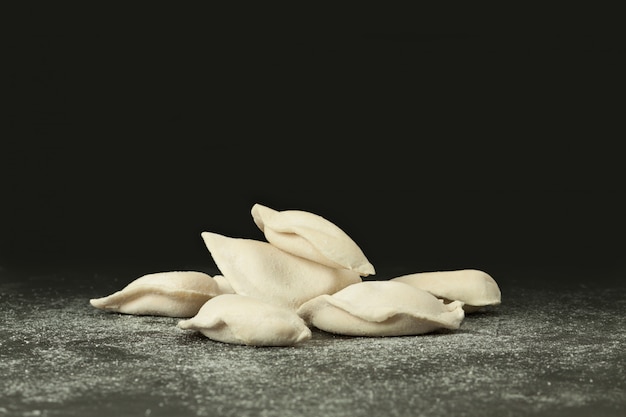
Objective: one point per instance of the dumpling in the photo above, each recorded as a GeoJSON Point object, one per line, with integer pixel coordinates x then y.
{"type": "Point", "coordinates": [312, 237]}
{"type": "Point", "coordinates": [239, 319]}
{"type": "Point", "coordinates": [222, 285]}
{"type": "Point", "coordinates": [381, 308]}
{"type": "Point", "coordinates": [259, 269]}
{"type": "Point", "coordinates": [476, 289]}
{"type": "Point", "coordinates": [172, 294]}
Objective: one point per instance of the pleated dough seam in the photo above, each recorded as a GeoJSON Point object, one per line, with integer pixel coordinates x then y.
{"type": "Point", "coordinates": [382, 314]}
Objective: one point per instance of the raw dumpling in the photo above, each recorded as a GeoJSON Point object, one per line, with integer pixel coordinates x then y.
{"type": "Point", "coordinates": [222, 285]}
{"type": "Point", "coordinates": [474, 288]}
{"type": "Point", "coordinates": [239, 319]}
{"type": "Point", "coordinates": [172, 294]}
{"type": "Point", "coordinates": [381, 308]}
{"type": "Point", "coordinates": [312, 237]}
{"type": "Point", "coordinates": [259, 269]}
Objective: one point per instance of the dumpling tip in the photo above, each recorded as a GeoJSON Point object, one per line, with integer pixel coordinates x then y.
{"type": "Point", "coordinates": [304, 335]}
{"type": "Point", "coordinates": [366, 270]}
{"type": "Point", "coordinates": [184, 324]}
{"type": "Point", "coordinates": [96, 302]}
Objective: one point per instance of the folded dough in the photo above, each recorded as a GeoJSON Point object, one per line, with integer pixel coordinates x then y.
{"type": "Point", "coordinates": [476, 289]}
{"type": "Point", "coordinates": [312, 237]}
{"type": "Point", "coordinates": [259, 269]}
{"type": "Point", "coordinates": [381, 308]}
{"type": "Point", "coordinates": [238, 319]}
{"type": "Point", "coordinates": [172, 294]}
{"type": "Point", "coordinates": [222, 285]}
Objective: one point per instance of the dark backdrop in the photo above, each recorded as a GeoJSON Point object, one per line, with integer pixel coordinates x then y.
{"type": "Point", "coordinates": [434, 147]}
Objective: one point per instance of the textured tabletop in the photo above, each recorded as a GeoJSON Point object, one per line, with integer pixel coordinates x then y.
{"type": "Point", "coordinates": [553, 350]}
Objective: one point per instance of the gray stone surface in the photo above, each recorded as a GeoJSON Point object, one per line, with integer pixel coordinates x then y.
{"type": "Point", "coordinates": [553, 349]}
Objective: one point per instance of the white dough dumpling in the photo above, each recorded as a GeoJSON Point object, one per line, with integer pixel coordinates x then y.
{"type": "Point", "coordinates": [172, 294]}
{"type": "Point", "coordinates": [259, 269]}
{"type": "Point", "coordinates": [475, 288]}
{"type": "Point", "coordinates": [381, 308]}
{"type": "Point", "coordinates": [312, 237]}
{"type": "Point", "coordinates": [238, 319]}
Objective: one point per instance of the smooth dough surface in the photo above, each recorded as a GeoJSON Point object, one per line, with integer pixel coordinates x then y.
{"type": "Point", "coordinates": [312, 237]}
{"type": "Point", "coordinates": [238, 319]}
{"type": "Point", "coordinates": [473, 287]}
{"type": "Point", "coordinates": [223, 285]}
{"type": "Point", "coordinates": [172, 294]}
{"type": "Point", "coordinates": [381, 308]}
{"type": "Point", "coordinates": [259, 269]}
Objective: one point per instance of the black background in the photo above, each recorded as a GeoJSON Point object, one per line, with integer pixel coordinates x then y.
{"type": "Point", "coordinates": [435, 142]}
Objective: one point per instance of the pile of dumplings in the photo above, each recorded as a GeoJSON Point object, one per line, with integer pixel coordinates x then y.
{"type": "Point", "coordinates": [308, 274]}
